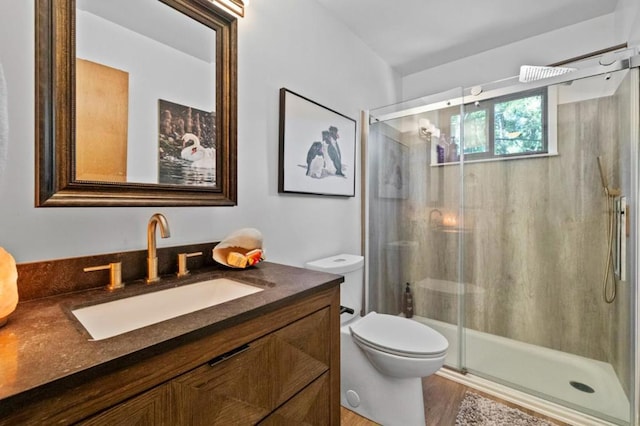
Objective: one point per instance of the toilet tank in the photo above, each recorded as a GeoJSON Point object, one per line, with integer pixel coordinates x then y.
{"type": "Point", "coordinates": [351, 266]}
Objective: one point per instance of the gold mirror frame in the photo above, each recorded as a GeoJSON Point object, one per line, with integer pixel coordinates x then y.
{"type": "Point", "coordinates": [56, 185]}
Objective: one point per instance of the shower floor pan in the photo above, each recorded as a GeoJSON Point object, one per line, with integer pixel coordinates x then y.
{"type": "Point", "coordinates": [545, 372]}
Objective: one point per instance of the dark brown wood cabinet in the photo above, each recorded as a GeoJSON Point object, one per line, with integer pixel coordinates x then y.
{"type": "Point", "coordinates": [308, 407]}
{"type": "Point", "coordinates": [247, 387]}
{"type": "Point", "coordinates": [281, 376]}
{"type": "Point", "coordinates": [150, 408]}
{"type": "Point", "coordinates": [277, 368]}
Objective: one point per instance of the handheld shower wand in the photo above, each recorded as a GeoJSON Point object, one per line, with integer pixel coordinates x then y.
{"type": "Point", "coordinates": [611, 194]}
{"type": "Point", "coordinates": [603, 178]}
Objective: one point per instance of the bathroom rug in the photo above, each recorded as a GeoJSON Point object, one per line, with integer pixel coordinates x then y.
{"type": "Point", "coordinates": [480, 411]}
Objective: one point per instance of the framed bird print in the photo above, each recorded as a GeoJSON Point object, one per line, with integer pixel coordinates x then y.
{"type": "Point", "coordinates": [186, 145]}
{"type": "Point", "coordinates": [393, 171]}
{"type": "Point", "coordinates": [317, 148]}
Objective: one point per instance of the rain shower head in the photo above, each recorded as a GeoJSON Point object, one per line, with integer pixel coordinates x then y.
{"type": "Point", "coordinates": [529, 73]}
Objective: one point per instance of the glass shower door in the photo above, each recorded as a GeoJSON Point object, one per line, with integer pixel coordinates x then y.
{"type": "Point", "coordinates": [550, 240]}
{"type": "Point", "coordinates": [508, 210]}
{"type": "Point", "coordinates": [415, 227]}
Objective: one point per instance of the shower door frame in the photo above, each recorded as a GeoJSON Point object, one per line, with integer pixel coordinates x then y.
{"type": "Point", "coordinates": [633, 64]}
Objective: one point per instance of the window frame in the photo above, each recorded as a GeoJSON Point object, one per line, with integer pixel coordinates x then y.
{"type": "Point", "coordinates": [489, 106]}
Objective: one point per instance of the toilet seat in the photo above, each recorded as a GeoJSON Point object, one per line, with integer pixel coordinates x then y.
{"type": "Point", "coordinates": [399, 336]}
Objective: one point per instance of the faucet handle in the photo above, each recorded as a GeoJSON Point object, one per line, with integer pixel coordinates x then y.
{"type": "Point", "coordinates": [115, 274]}
{"type": "Point", "coordinates": [182, 262]}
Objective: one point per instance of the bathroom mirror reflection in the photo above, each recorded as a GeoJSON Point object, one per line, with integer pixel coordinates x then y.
{"type": "Point", "coordinates": [145, 94]}
{"type": "Point", "coordinates": [136, 103]}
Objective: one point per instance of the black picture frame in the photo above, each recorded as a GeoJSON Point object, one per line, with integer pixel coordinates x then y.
{"type": "Point", "coordinates": [393, 171]}
{"type": "Point", "coordinates": [317, 148]}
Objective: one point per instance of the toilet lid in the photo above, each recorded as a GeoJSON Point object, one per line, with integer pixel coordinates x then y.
{"type": "Point", "coordinates": [398, 335]}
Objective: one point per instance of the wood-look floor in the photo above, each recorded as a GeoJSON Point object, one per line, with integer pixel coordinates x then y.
{"type": "Point", "coordinates": [349, 418]}
{"type": "Point", "coordinates": [442, 398]}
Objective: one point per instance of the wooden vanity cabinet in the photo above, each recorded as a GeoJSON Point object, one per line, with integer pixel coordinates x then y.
{"type": "Point", "coordinates": [284, 371]}
{"type": "Point", "coordinates": [276, 377]}
{"type": "Point", "coordinates": [246, 388]}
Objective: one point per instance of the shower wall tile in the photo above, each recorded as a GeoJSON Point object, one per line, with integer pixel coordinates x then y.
{"type": "Point", "coordinates": [541, 228]}
{"type": "Point", "coordinates": [536, 251]}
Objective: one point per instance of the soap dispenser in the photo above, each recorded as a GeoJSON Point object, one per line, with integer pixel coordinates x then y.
{"type": "Point", "coordinates": [442, 150]}
{"type": "Point", "coordinates": [453, 151]}
{"type": "Point", "coordinates": [408, 302]}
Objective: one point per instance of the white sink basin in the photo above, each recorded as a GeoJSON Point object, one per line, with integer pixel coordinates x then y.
{"type": "Point", "coordinates": [120, 316]}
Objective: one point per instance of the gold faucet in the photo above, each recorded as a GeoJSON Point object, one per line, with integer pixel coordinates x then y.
{"type": "Point", "coordinates": [152, 259]}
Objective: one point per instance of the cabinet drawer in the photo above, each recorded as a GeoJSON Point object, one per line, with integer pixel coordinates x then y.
{"type": "Point", "coordinates": [248, 386]}
{"type": "Point", "coordinates": [150, 408]}
{"type": "Point", "coordinates": [310, 407]}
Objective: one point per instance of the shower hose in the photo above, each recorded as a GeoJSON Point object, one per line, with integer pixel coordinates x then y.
{"type": "Point", "coordinates": [609, 296]}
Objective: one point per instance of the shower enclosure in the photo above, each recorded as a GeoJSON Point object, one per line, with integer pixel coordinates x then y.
{"type": "Point", "coordinates": [510, 209]}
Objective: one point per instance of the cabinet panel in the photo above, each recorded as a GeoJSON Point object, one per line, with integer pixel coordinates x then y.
{"type": "Point", "coordinates": [150, 408]}
{"type": "Point", "coordinates": [247, 387]}
{"type": "Point", "coordinates": [311, 335]}
{"type": "Point", "coordinates": [308, 408]}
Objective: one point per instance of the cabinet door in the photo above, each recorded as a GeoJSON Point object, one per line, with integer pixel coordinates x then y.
{"type": "Point", "coordinates": [310, 407]}
{"type": "Point", "coordinates": [149, 408]}
{"type": "Point", "coordinates": [247, 387]}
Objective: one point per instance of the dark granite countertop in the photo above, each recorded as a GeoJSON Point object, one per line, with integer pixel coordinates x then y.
{"type": "Point", "coordinates": [43, 342]}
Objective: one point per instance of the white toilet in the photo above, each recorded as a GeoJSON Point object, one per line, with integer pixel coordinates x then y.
{"type": "Point", "coordinates": [382, 357]}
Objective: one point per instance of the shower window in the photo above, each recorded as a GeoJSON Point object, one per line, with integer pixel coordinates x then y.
{"type": "Point", "coordinates": [476, 136]}
{"type": "Point", "coordinates": [503, 126]}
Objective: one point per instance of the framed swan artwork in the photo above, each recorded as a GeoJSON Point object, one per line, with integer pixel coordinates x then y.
{"type": "Point", "coordinates": [317, 148]}
{"type": "Point", "coordinates": [186, 145]}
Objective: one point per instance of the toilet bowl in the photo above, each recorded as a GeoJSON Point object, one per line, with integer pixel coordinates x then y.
{"type": "Point", "coordinates": [383, 357]}
{"type": "Point", "coordinates": [399, 347]}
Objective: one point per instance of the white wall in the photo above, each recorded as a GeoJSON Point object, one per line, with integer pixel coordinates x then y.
{"type": "Point", "coordinates": [282, 43]}
{"type": "Point", "coordinates": [628, 21]}
{"type": "Point", "coordinates": [505, 61]}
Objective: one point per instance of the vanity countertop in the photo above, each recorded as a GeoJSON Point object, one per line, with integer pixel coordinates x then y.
{"type": "Point", "coordinates": [43, 342]}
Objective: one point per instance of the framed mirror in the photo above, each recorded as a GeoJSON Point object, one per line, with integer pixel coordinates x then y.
{"type": "Point", "coordinates": [135, 103]}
